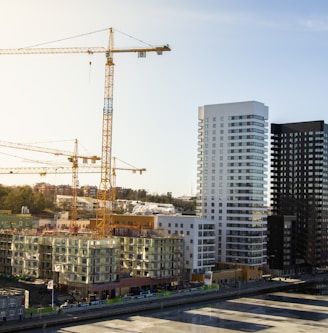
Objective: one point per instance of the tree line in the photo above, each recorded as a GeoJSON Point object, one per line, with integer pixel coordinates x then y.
{"type": "Point", "coordinates": [15, 197]}
{"type": "Point", "coordinates": [142, 195]}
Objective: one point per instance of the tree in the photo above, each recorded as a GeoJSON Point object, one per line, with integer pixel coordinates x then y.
{"type": "Point", "coordinates": [13, 198]}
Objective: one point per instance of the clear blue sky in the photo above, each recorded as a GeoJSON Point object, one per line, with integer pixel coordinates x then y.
{"type": "Point", "coordinates": [274, 52]}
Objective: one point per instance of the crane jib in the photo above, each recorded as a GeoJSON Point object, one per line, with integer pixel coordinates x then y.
{"type": "Point", "coordinates": [87, 50]}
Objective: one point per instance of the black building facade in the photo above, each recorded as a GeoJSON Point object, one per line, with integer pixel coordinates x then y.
{"type": "Point", "coordinates": [299, 188]}
{"type": "Point", "coordinates": [282, 244]}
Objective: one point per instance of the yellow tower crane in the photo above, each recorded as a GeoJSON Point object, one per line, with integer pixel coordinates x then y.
{"type": "Point", "coordinates": [105, 188]}
{"type": "Point", "coordinates": [73, 157]}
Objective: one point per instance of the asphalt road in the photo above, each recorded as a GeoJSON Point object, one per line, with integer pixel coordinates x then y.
{"type": "Point", "coordinates": [78, 315]}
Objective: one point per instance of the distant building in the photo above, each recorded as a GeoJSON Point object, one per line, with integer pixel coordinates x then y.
{"type": "Point", "coordinates": [89, 191]}
{"type": "Point", "coordinates": [12, 302]}
{"type": "Point", "coordinates": [45, 188]}
{"type": "Point", "coordinates": [83, 203]}
{"type": "Point", "coordinates": [299, 173]}
{"type": "Point", "coordinates": [232, 179]}
{"type": "Point", "coordinates": [153, 208]}
{"type": "Point", "coordinates": [15, 221]}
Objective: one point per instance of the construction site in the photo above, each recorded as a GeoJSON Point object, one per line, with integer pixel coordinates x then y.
{"type": "Point", "coordinates": [108, 256]}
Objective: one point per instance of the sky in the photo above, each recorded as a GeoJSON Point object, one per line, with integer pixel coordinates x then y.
{"type": "Point", "coordinates": [223, 51]}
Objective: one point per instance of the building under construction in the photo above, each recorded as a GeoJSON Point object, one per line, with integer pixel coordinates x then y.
{"type": "Point", "coordinates": [136, 256]}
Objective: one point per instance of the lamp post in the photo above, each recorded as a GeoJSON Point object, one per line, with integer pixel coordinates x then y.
{"type": "Point", "coordinates": [50, 286]}
{"type": "Point", "coordinates": [271, 262]}
{"type": "Point", "coordinates": [236, 272]}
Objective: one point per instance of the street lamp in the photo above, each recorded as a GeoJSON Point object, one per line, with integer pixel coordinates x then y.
{"type": "Point", "coordinates": [237, 260]}
{"type": "Point", "coordinates": [271, 262]}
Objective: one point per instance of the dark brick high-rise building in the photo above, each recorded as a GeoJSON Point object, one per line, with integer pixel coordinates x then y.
{"type": "Point", "coordinates": [299, 188]}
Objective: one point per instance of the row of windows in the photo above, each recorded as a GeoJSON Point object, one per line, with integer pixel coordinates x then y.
{"type": "Point", "coordinates": [318, 145]}
{"type": "Point", "coordinates": [256, 234]}
{"type": "Point", "coordinates": [246, 123]}
{"type": "Point", "coordinates": [296, 156]}
{"type": "Point", "coordinates": [241, 151]}
{"type": "Point", "coordinates": [250, 178]}
{"type": "Point", "coordinates": [176, 225]}
{"type": "Point", "coordinates": [246, 225]}
{"type": "Point", "coordinates": [245, 254]}
{"type": "Point", "coordinates": [302, 172]}
{"type": "Point", "coordinates": [244, 204]}
{"type": "Point", "coordinates": [236, 246]}
{"type": "Point", "coordinates": [297, 134]}
{"type": "Point", "coordinates": [299, 193]}
{"type": "Point", "coordinates": [247, 143]}
{"type": "Point", "coordinates": [246, 171]}
{"type": "Point", "coordinates": [246, 137]}
{"type": "Point", "coordinates": [260, 165]}
{"type": "Point", "coordinates": [231, 151]}
{"type": "Point", "coordinates": [246, 157]}
{"type": "Point", "coordinates": [213, 205]}
{"type": "Point", "coordinates": [303, 175]}
{"type": "Point", "coordinates": [205, 255]}
{"type": "Point", "coordinates": [249, 185]}
{"type": "Point", "coordinates": [245, 198]}
{"type": "Point", "coordinates": [245, 212]}
{"type": "Point", "coordinates": [246, 130]}
{"type": "Point", "coordinates": [234, 137]}
{"type": "Point", "coordinates": [249, 116]}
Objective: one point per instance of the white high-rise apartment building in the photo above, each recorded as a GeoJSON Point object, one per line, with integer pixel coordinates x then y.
{"type": "Point", "coordinates": [232, 178]}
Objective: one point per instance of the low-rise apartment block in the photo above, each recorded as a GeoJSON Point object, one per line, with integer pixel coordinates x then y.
{"type": "Point", "coordinates": [12, 303]}
{"type": "Point", "coordinates": [6, 253]}
{"type": "Point", "coordinates": [87, 264]}
{"type": "Point", "coordinates": [199, 241]}
{"type": "Point", "coordinates": [155, 256]}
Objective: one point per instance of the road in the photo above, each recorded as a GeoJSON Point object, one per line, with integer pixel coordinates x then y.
{"type": "Point", "coordinates": [159, 304]}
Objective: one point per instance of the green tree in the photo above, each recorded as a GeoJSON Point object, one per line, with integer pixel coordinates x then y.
{"type": "Point", "coordinates": [13, 198]}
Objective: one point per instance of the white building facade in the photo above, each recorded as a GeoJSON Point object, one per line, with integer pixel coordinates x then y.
{"type": "Point", "coordinates": [199, 241]}
{"type": "Point", "coordinates": [232, 178]}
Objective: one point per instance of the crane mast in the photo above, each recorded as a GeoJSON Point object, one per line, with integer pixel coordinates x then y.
{"type": "Point", "coordinates": [106, 187]}
{"type": "Point", "coordinates": [75, 164]}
